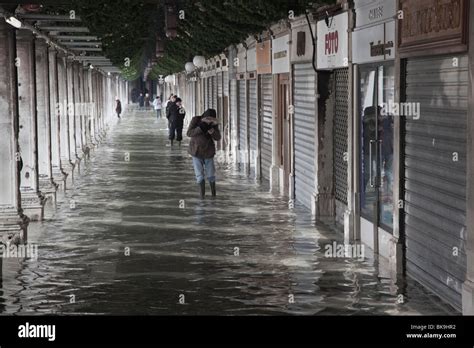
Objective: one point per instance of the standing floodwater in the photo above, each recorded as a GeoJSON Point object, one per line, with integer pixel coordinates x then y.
{"type": "Point", "coordinates": [133, 237]}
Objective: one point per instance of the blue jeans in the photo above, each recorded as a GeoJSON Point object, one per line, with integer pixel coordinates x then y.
{"type": "Point", "coordinates": [204, 164]}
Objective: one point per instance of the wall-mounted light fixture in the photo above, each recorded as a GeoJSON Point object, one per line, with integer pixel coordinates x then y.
{"type": "Point", "coordinates": [13, 21]}
{"type": "Point", "coordinates": [189, 67]}
{"type": "Point", "coordinates": [199, 61]}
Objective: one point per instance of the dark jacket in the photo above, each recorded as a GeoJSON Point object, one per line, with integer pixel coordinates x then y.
{"type": "Point", "coordinates": [141, 100]}
{"type": "Point", "coordinates": [118, 108]}
{"type": "Point", "coordinates": [176, 115]}
{"type": "Point", "coordinates": [202, 143]}
{"type": "Point", "coordinates": [168, 105]}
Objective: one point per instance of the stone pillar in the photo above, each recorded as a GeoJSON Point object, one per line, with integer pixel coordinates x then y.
{"type": "Point", "coordinates": [45, 168]}
{"type": "Point", "coordinates": [468, 286]}
{"type": "Point", "coordinates": [32, 200]}
{"type": "Point", "coordinates": [13, 223]}
{"type": "Point", "coordinates": [59, 175]}
{"type": "Point", "coordinates": [96, 98]}
{"type": "Point", "coordinates": [127, 94]}
{"type": "Point", "coordinates": [71, 112]}
{"type": "Point", "coordinates": [66, 163]}
{"type": "Point", "coordinates": [84, 110]}
{"type": "Point", "coordinates": [78, 110]}
{"type": "Point", "coordinates": [88, 120]}
{"type": "Point", "coordinates": [106, 86]}
{"type": "Point", "coordinates": [93, 100]}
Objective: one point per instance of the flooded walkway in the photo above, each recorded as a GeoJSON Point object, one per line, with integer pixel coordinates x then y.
{"type": "Point", "coordinates": [132, 237]}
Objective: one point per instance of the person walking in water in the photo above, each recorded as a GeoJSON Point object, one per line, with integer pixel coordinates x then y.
{"type": "Point", "coordinates": [141, 101]}
{"type": "Point", "coordinates": [147, 101]}
{"type": "Point", "coordinates": [157, 106]}
{"type": "Point", "coordinates": [176, 121]}
{"type": "Point", "coordinates": [118, 106]}
{"type": "Point", "coordinates": [203, 131]}
{"type": "Point", "coordinates": [171, 101]}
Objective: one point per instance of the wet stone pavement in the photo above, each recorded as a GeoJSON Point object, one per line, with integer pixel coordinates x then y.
{"type": "Point", "coordinates": [127, 245]}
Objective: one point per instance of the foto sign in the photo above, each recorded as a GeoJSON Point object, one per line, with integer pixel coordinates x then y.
{"type": "Point", "coordinates": [332, 45]}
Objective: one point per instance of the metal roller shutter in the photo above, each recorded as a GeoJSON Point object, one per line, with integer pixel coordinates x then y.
{"type": "Point", "coordinates": [266, 92]}
{"type": "Point", "coordinates": [226, 83]}
{"type": "Point", "coordinates": [253, 126]}
{"type": "Point", "coordinates": [234, 119]}
{"type": "Point", "coordinates": [434, 183]}
{"type": "Point", "coordinates": [220, 91]}
{"type": "Point", "coordinates": [219, 96]}
{"type": "Point", "coordinates": [340, 142]}
{"type": "Point", "coordinates": [214, 92]}
{"type": "Point", "coordinates": [243, 147]}
{"type": "Point", "coordinates": [209, 93]}
{"type": "Point", "coordinates": [305, 130]}
{"type": "Point", "coordinates": [206, 93]}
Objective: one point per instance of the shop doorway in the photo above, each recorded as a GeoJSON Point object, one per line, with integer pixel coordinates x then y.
{"type": "Point", "coordinates": [284, 138]}
{"type": "Point", "coordinates": [376, 90]}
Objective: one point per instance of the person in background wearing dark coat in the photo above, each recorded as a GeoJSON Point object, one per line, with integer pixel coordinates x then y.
{"type": "Point", "coordinates": [118, 106]}
{"type": "Point", "coordinates": [171, 101]}
{"type": "Point", "coordinates": [176, 121]}
{"type": "Point", "coordinates": [203, 131]}
{"type": "Point", "coordinates": [141, 101]}
{"type": "Point", "coordinates": [147, 101]}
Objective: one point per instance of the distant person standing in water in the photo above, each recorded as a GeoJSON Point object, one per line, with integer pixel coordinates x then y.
{"type": "Point", "coordinates": [157, 106]}
{"type": "Point", "coordinates": [203, 131]}
{"type": "Point", "coordinates": [176, 121]}
{"type": "Point", "coordinates": [171, 101]}
{"type": "Point", "coordinates": [147, 101]}
{"type": "Point", "coordinates": [141, 101]}
{"type": "Point", "coordinates": [118, 106]}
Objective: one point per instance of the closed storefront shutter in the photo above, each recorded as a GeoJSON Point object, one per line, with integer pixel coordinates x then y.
{"type": "Point", "coordinates": [305, 130]}
{"type": "Point", "coordinates": [209, 93]}
{"type": "Point", "coordinates": [234, 109]}
{"type": "Point", "coordinates": [226, 83]}
{"type": "Point", "coordinates": [243, 146]}
{"type": "Point", "coordinates": [253, 129]}
{"type": "Point", "coordinates": [214, 92]}
{"type": "Point", "coordinates": [266, 92]}
{"type": "Point", "coordinates": [340, 142]}
{"type": "Point", "coordinates": [435, 174]}
{"type": "Point", "coordinates": [220, 90]}
{"type": "Point", "coordinates": [206, 93]}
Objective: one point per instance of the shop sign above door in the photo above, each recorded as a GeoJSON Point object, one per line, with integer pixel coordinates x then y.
{"type": "Point", "coordinates": [433, 27]}
{"type": "Point", "coordinates": [332, 42]}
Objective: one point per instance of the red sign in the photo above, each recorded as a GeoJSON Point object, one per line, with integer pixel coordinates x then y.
{"type": "Point", "coordinates": [331, 43]}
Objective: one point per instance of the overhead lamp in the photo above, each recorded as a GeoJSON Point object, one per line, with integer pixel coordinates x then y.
{"type": "Point", "coordinates": [189, 67]}
{"type": "Point", "coordinates": [199, 61]}
{"type": "Point", "coordinates": [13, 21]}
{"type": "Point", "coordinates": [108, 73]}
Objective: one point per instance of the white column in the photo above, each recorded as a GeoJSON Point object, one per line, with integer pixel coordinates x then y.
{"type": "Point", "coordinates": [86, 140]}
{"type": "Point", "coordinates": [59, 175]}
{"type": "Point", "coordinates": [468, 286]}
{"type": "Point", "coordinates": [66, 164]}
{"type": "Point", "coordinates": [32, 200]}
{"type": "Point", "coordinates": [13, 224]}
{"type": "Point", "coordinates": [45, 168]}
{"type": "Point", "coordinates": [71, 112]}
{"type": "Point", "coordinates": [96, 97]}
{"type": "Point", "coordinates": [78, 112]}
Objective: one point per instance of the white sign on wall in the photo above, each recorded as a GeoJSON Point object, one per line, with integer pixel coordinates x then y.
{"type": "Point", "coordinates": [251, 59]}
{"type": "Point", "coordinates": [332, 45]}
{"type": "Point", "coordinates": [373, 44]}
{"type": "Point", "coordinates": [281, 55]}
{"type": "Point", "coordinates": [373, 39]}
{"type": "Point", "coordinates": [369, 12]}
